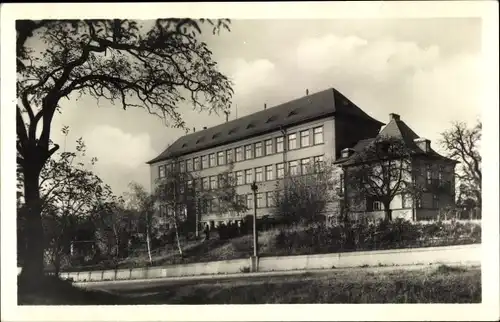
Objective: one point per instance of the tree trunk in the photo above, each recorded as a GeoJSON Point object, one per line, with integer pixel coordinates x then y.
{"type": "Point", "coordinates": [177, 237]}
{"type": "Point", "coordinates": [33, 267]}
{"type": "Point", "coordinates": [388, 212]}
{"type": "Point", "coordinates": [148, 242]}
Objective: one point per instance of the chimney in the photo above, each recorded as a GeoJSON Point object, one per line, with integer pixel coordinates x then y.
{"type": "Point", "coordinates": [194, 129]}
{"type": "Point", "coordinates": [204, 127]}
{"type": "Point", "coordinates": [265, 105]}
{"type": "Point", "coordinates": [307, 91]}
{"type": "Point", "coordinates": [423, 144]}
{"type": "Point", "coordinates": [394, 116]}
{"type": "Point", "coordinates": [227, 115]}
{"type": "Point", "coordinates": [347, 152]}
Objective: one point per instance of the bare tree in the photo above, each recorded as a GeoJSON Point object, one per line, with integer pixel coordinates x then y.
{"type": "Point", "coordinates": [119, 60]}
{"type": "Point", "coordinates": [381, 171]}
{"type": "Point", "coordinates": [143, 204]}
{"type": "Point", "coordinates": [462, 144]}
{"type": "Point", "coordinates": [307, 197]}
{"type": "Point", "coordinates": [229, 200]}
{"type": "Point", "coordinates": [176, 192]}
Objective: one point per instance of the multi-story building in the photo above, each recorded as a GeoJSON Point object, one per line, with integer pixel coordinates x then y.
{"type": "Point", "coordinates": [265, 145]}
{"type": "Point", "coordinates": [432, 173]}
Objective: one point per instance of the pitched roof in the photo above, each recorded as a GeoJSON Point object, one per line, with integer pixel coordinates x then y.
{"type": "Point", "coordinates": [307, 108]}
{"type": "Point", "coordinates": [394, 129]}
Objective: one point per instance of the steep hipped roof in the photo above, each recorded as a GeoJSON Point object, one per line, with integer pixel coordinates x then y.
{"type": "Point", "coordinates": [307, 108]}
{"type": "Point", "coordinates": [394, 129]}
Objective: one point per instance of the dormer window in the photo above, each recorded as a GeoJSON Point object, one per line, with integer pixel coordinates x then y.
{"type": "Point", "coordinates": [233, 130]}
{"type": "Point", "coordinates": [200, 140]}
{"type": "Point", "coordinates": [271, 119]}
{"type": "Point", "coordinates": [215, 135]}
{"type": "Point", "coordinates": [184, 145]}
{"type": "Point", "coordinates": [251, 125]}
{"type": "Point", "coordinates": [294, 112]}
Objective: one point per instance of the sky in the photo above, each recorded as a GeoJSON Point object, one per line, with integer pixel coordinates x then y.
{"type": "Point", "coordinates": [425, 70]}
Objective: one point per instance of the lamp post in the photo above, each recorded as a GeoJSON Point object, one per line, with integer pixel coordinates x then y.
{"type": "Point", "coordinates": [255, 236]}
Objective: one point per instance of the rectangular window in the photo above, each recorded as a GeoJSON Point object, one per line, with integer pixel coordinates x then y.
{"type": "Point", "coordinates": [377, 205]}
{"type": "Point", "coordinates": [189, 165]}
{"type": "Point", "coordinates": [213, 182]}
{"type": "Point", "coordinates": [435, 201]}
{"type": "Point", "coordinates": [248, 152]}
{"type": "Point", "coordinates": [269, 172]}
{"type": "Point", "coordinates": [248, 176]}
{"type": "Point", "coordinates": [280, 170]}
{"type": "Point", "coordinates": [293, 168]}
{"type": "Point", "coordinates": [250, 201]}
{"type": "Point", "coordinates": [214, 205]}
{"type": "Point", "coordinates": [260, 200]}
{"type": "Point", "coordinates": [161, 171]}
{"type": "Point", "coordinates": [258, 149]}
{"type": "Point", "coordinates": [204, 162]}
{"type": "Point", "coordinates": [304, 138]}
{"type": "Point", "coordinates": [258, 174]}
{"type": "Point", "coordinates": [279, 144]}
{"type": "Point", "coordinates": [269, 147]}
{"type": "Point", "coordinates": [197, 164]}
{"type": "Point", "coordinates": [404, 201]}
{"type": "Point", "coordinates": [304, 166]}
{"type": "Point", "coordinates": [269, 199]}
{"type": "Point", "coordinates": [318, 163]}
{"type": "Point", "coordinates": [220, 158]}
{"type": "Point", "coordinates": [318, 135]}
{"type": "Point", "coordinates": [239, 153]}
{"type": "Point", "coordinates": [441, 175]}
{"type": "Point", "coordinates": [229, 155]}
{"type": "Point", "coordinates": [206, 184]}
{"type": "Point", "coordinates": [182, 166]}
{"type": "Point", "coordinates": [418, 202]}
{"type": "Point", "coordinates": [212, 160]}
{"type": "Point", "coordinates": [221, 180]}
{"type": "Point", "coordinates": [428, 173]}
{"type": "Point", "coordinates": [292, 141]}
{"type": "Point", "coordinates": [239, 178]}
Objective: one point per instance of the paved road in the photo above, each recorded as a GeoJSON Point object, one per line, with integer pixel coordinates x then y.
{"type": "Point", "coordinates": [136, 285]}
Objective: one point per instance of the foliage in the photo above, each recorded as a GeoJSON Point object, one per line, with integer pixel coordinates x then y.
{"type": "Point", "coordinates": [304, 198]}
{"type": "Point", "coordinates": [382, 170]}
{"type": "Point", "coordinates": [383, 235]}
{"type": "Point", "coordinates": [463, 144]}
{"type": "Point", "coordinates": [122, 61]}
{"type": "Point", "coordinates": [69, 193]}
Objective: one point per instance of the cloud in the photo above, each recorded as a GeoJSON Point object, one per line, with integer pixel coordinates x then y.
{"type": "Point", "coordinates": [251, 76]}
{"type": "Point", "coordinates": [354, 57]}
{"type": "Point", "coordinates": [113, 146]}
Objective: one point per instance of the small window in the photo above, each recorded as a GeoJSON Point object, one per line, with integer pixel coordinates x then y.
{"type": "Point", "coordinates": [200, 140]}
{"type": "Point", "coordinates": [251, 125]}
{"type": "Point", "coordinates": [215, 135]}
{"type": "Point", "coordinates": [377, 205]}
{"type": "Point", "coordinates": [271, 119]}
{"type": "Point", "coordinates": [233, 130]}
{"type": "Point", "coordinates": [184, 145]}
{"type": "Point", "coordinates": [294, 112]}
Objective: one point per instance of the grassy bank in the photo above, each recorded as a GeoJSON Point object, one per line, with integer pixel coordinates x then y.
{"type": "Point", "coordinates": [426, 285]}
{"type": "Point", "coordinates": [442, 285]}
{"type": "Point", "coordinates": [304, 241]}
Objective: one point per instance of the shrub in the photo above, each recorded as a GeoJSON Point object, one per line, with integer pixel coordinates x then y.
{"type": "Point", "coordinates": [382, 235]}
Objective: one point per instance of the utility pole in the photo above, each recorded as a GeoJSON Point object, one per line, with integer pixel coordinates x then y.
{"type": "Point", "coordinates": [255, 235]}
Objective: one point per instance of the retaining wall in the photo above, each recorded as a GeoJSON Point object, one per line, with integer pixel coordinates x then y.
{"type": "Point", "coordinates": [450, 254]}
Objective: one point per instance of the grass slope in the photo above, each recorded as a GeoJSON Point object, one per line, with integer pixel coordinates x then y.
{"type": "Point", "coordinates": [427, 285]}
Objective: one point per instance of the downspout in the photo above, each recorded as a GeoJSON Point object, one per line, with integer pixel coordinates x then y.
{"type": "Point", "coordinates": [285, 166]}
